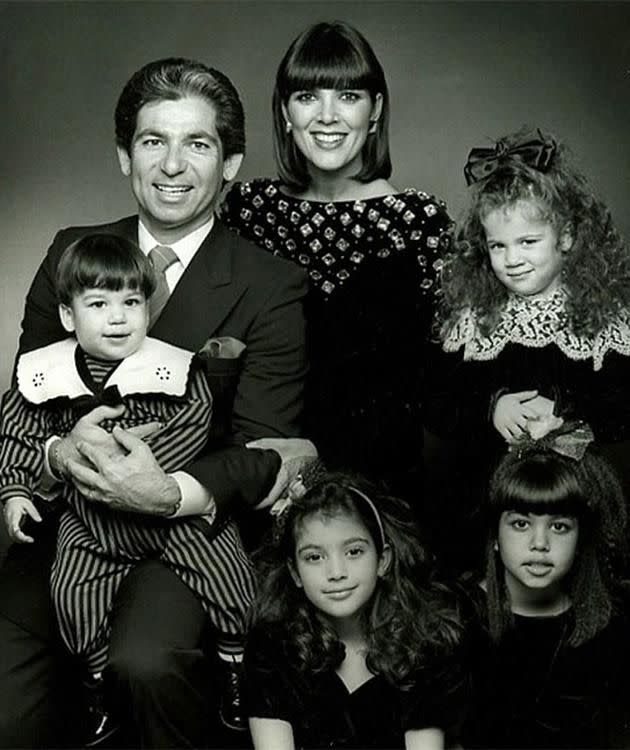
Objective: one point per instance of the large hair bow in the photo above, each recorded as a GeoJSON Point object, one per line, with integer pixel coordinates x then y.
{"type": "Point", "coordinates": [534, 149]}
{"type": "Point", "coordinates": [570, 440]}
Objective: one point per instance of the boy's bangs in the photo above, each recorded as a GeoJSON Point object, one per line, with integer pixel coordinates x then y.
{"type": "Point", "coordinates": [114, 282]}
{"type": "Point", "coordinates": [113, 273]}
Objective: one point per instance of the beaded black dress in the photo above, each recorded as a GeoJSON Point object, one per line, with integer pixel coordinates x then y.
{"type": "Point", "coordinates": [373, 266]}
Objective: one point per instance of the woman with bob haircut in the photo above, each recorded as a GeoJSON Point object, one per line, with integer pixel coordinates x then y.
{"type": "Point", "coordinates": [371, 251]}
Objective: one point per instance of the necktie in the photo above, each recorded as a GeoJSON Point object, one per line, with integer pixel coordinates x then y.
{"type": "Point", "coordinates": [162, 258]}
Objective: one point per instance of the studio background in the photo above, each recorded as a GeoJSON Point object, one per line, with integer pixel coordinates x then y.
{"type": "Point", "coordinates": [460, 73]}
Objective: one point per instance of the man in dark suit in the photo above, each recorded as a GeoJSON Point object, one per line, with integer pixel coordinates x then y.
{"type": "Point", "coordinates": [180, 136]}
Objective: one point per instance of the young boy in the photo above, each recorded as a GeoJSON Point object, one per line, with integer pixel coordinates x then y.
{"type": "Point", "coordinates": [104, 285]}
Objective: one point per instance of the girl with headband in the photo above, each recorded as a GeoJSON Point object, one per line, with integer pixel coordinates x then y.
{"type": "Point", "coordinates": [353, 644]}
{"type": "Point", "coordinates": [551, 666]}
{"type": "Point", "coordinates": [534, 321]}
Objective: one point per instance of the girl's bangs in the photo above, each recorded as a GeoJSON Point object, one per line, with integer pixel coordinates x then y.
{"type": "Point", "coordinates": [542, 495]}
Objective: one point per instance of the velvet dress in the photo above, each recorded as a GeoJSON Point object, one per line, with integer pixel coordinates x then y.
{"type": "Point", "coordinates": [534, 690]}
{"type": "Point", "coordinates": [323, 713]}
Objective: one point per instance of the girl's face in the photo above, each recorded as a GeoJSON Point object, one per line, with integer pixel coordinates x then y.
{"type": "Point", "coordinates": [537, 551]}
{"type": "Point", "coordinates": [526, 252]}
{"type": "Point", "coordinates": [330, 127]}
{"type": "Point", "coordinates": [336, 563]}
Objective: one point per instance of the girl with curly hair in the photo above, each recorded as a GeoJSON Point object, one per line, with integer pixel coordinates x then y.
{"type": "Point", "coordinates": [552, 658]}
{"type": "Point", "coordinates": [535, 311]}
{"type": "Point", "coordinates": [353, 643]}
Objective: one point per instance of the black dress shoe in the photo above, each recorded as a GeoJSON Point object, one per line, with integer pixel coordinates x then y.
{"type": "Point", "coordinates": [231, 709]}
{"type": "Point", "coordinates": [99, 723]}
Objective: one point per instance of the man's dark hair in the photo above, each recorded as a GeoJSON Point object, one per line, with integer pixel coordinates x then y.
{"type": "Point", "coordinates": [174, 78]}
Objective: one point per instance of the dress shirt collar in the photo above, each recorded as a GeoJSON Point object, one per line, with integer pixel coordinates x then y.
{"type": "Point", "coordinates": [184, 249]}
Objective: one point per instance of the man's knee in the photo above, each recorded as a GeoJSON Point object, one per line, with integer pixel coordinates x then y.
{"type": "Point", "coordinates": [146, 669]}
{"type": "Point", "coordinates": [37, 691]}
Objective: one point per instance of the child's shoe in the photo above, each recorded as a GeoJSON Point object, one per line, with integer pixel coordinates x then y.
{"type": "Point", "coordinates": [99, 723]}
{"type": "Point", "coordinates": [231, 709]}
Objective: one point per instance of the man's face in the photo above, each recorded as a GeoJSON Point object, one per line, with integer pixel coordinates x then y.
{"type": "Point", "coordinates": [176, 166]}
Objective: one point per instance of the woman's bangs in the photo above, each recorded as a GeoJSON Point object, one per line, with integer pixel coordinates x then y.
{"type": "Point", "coordinates": [321, 69]}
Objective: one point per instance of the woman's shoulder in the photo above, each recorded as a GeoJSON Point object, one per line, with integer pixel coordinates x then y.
{"type": "Point", "coordinates": [244, 192]}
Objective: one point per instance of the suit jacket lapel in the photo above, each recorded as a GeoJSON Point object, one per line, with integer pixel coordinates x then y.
{"type": "Point", "coordinates": [205, 294]}
{"type": "Point", "coordinates": [127, 228]}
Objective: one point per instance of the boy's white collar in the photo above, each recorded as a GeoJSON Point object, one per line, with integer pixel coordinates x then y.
{"type": "Point", "coordinates": [50, 372]}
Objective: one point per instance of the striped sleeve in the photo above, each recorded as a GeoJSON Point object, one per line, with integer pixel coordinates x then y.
{"type": "Point", "coordinates": [24, 429]}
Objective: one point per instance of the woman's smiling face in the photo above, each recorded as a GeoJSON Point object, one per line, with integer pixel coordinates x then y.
{"type": "Point", "coordinates": [330, 127]}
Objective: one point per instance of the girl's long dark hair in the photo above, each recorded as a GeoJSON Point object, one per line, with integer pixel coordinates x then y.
{"type": "Point", "coordinates": [411, 620]}
{"type": "Point", "coordinates": [539, 480]}
{"type": "Point", "coordinates": [596, 272]}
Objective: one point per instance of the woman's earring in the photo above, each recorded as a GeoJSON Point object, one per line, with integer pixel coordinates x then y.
{"type": "Point", "coordinates": [495, 546]}
{"type": "Point", "coordinates": [372, 126]}
{"type": "Point", "coordinates": [288, 126]}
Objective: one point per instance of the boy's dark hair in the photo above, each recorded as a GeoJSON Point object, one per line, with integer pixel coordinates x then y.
{"type": "Point", "coordinates": [541, 481]}
{"type": "Point", "coordinates": [103, 261]}
{"type": "Point", "coordinates": [335, 56]}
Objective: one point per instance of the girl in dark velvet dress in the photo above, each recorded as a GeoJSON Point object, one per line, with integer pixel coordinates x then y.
{"type": "Point", "coordinates": [371, 251]}
{"type": "Point", "coordinates": [535, 317]}
{"type": "Point", "coordinates": [353, 645]}
{"type": "Point", "coordinates": [552, 666]}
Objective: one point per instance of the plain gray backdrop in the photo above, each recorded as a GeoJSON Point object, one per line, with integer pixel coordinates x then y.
{"type": "Point", "coordinates": [460, 74]}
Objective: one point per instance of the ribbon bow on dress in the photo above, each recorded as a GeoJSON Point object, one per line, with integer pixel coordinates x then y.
{"type": "Point", "coordinates": [534, 149]}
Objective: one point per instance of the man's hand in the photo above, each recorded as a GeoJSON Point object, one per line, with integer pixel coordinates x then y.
{"type": "Point", "coordinates": [511, 414]}
{"type": "Point", "coordinates": [16, 509]}
{"type": "Point", "coordinates": [296, 455]}
{"type": "Point", "coordinates": [88, 431]}
{"type": "Point", "coordinates": [131, 480]}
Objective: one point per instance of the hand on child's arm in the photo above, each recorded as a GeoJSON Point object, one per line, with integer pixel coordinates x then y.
{"type": "Point", "coordinates": [511, 413]}
{"type": "Point", "coordinates": [15, 511]}
{"type": "Point", "coordinates": [134, 483]}
{"type": "Point", "coordinates": [88, 431]}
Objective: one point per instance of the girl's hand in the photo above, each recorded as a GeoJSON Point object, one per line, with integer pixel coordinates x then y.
{"type": "Point", "coordinates": [16, 509]}
{"type": "Point", "coordinates": [542, 406]}
{"type": "Point", "coordinates": [511, 413]}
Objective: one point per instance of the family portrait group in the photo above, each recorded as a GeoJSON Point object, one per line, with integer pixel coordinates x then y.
{"type": "Point", "coordinates": [315, 404]}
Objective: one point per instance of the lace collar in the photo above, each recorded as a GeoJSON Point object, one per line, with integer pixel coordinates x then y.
{"type": "Point", "coordinates": [536, 324]}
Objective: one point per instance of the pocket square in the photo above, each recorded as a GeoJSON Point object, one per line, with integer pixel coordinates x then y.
{"type": "Point", "coordinates": [222, 347]}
